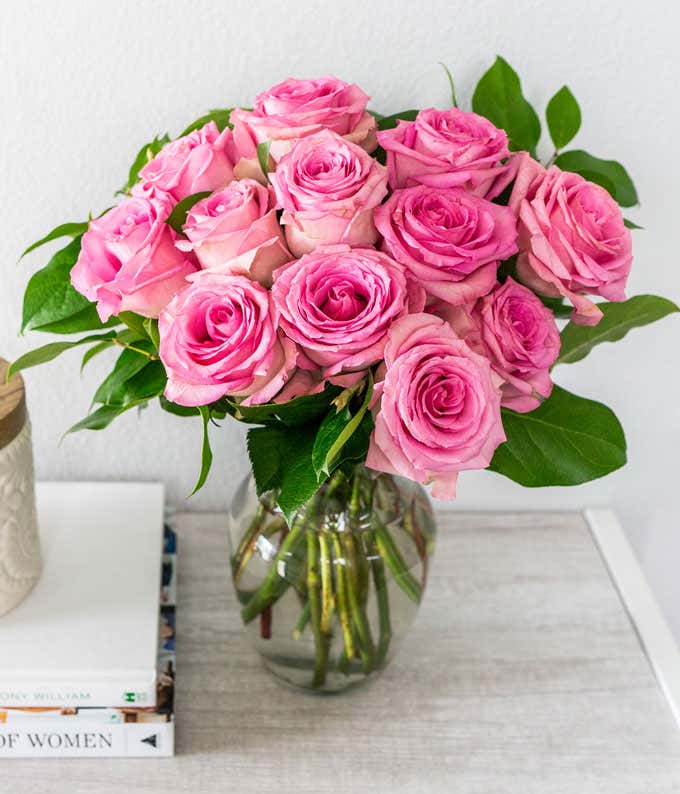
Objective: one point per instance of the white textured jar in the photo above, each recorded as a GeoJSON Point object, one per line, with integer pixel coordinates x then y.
{"type": "Point", "coordinates": [20, 558]}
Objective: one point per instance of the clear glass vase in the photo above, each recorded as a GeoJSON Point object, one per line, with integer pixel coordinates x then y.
{"type": "Point", "coordinates": [327, 599]}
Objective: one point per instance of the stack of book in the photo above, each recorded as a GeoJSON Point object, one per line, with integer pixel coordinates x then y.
{"type": "Point", "coordinates": [87, 662]}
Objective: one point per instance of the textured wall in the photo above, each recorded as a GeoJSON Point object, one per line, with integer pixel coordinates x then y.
{"type": "Point", "coordinates": [85, 84]}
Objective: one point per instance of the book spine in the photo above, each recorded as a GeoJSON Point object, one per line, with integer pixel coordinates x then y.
{"type": "Point", "coordinates": [86, 739]}
{"type": "Point", "coordinates": [126, 694]}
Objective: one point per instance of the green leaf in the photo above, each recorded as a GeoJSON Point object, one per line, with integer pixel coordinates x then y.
{"type": "Point", "coordinates": [377, 116]}
{"type": "Point", "coordinates": [499, 97]}
{"type": "Point", "coordinates": [563, 116]}
{"type": "Point", "coordinates": [617, 320]}
{"type": "Point", "coordinates": [330, 430]}
{"type": "Point", "coordinates": [50, 299]}
{"type": "Point", "coordinates": [609, 174]}
{"type": "Point", "coordinates": [356, 447]}
{"type": "Point", "coordinates": [113, 390]}
{"type": "Point", "coordinates": [206, 451]}
{"type": "Point", "coordinates": [144, 155]}
{"type": "Point", "coordinates": [151, 328]}
{"type": "Point", "coordinates": [631, 225]}
{"type": "Point", "coordinates": [128, 336]}
{"type": "Point", "coordinates": [263, 156]}
{"type": "Point", "coordinates": [220, 116]}
{"type": "Point", "coordinates": [42, 355]}
{"type": "Point", "coordinates": [177, 410]}
{"type": "Point", "coordinates": [85, 320]}
{"type": "Point", "coordinates": [567, 440]}
{"type": "Point", "coordinates": [265, 457]}
{"type": "Point", "coordinates": [451, 84]}
{"type": "Point", "coordinates": [98, 419]}
{"type": "Point", "coordinates": [95, 350]}
{"type": "Point", "coordinates": [298, 411]}
{"type": "Point", "coordinates": [389, 122]}
{"type": "Point", "coordinates": [53, 305]}
{"type": "Point", "coordinates": [74, 229]}
{"type": "Point", "coordinates": [335, 431]}
{"type": "Point", "coordinates": [281, 457]}
{"type": "Point", "coordinates": [178, 216]}
{"type": "Point", "coordinates": [148, 383]}
{"type": "Point", "coordinates": [135, 322]}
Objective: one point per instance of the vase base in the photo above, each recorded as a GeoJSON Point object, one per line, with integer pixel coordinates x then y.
{"type": "Point", "coordinates": [297, 674]}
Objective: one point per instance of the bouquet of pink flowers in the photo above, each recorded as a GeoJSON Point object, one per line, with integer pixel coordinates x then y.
{"type": "Point", "coordinates": [363, 288]}
{"type": "Point", "coordinates": [390, 284]}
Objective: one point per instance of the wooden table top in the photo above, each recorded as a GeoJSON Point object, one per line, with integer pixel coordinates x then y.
{"type": "Point", "coordinates": [522, 674]}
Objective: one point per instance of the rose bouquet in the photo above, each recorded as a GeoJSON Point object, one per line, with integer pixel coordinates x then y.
{"type": "Point", "coordinates": [380, 297]}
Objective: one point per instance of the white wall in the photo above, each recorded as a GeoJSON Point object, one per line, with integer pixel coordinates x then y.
{"type": "Point", "coordinates": [84, 84]}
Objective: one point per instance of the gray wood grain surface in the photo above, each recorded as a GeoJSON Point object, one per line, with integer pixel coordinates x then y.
{"type": "Point", "coordinates": [522, 674]}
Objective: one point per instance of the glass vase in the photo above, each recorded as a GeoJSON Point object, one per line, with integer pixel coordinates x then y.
{"type": "Point", "coordinates": [327, 599]}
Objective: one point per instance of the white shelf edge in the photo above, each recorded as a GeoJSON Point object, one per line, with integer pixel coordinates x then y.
{"type": "Point", "coordinates": [654, 633]}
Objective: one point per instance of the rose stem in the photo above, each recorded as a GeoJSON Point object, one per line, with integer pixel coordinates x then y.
{"type": "Point", "coordinates": [240, 562]}
{"type": "Point", "coordinates": [138, 350]}
{"type": "Point", "coordinates": [363, 566]}
{"type": "Point", "coordinates": [267, 615]}
{"type": "Point", "coordinates": [321, 640]}
{"type": "Point", "coordinates": [387, 490]}
{"type": "Point", "coordinates": [247, 538]}
{"type": "Point", "coordinates": [326, 563]}
{"type": "Point", "coordinates": [303, 620]}
{"type": "Point", "coordinates": [395, 562]}
{"type": "Point", "coordinates": [366, 647]}
{"type": "Point", "coordinates": [413, 528]}
{"type": "Point", "coordinates": [341, 597]}
{"type": "Point", "coordinates": [274, 585]}
{"type": "Point", "coordinates": [383, 599]}
{"type": "Point", "coordinates": [266, 623]}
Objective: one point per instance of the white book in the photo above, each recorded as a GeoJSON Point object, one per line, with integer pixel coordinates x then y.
{"type": "Point", "coordinates": [83, 737]}
{"type": "Point", "coordinates": [107, 732]}
{"type": "Point", "coordinates": [88, 633]}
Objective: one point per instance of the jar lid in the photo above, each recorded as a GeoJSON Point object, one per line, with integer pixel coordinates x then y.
{"type": "Point", "coordinates": [12, 405]}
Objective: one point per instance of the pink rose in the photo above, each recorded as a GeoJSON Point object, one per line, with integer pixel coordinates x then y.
{"type": "Point", "coordinates": [219, 336]}
{"type": "Point", "coordinates": [572, 238]}
{"type": "Point", "coordinates": [446, 148]}
{"type": "Point", "coordinates": [338, 304]}
{"type": "Point", "coordinates": [518, 334]}
{"type": "Point", "coordinates": [438, 407]}
{"type": "Point", "coordinates": [201, 160]}
{"type": "Point", "coordinates": [303, 382]}
{"type": "Point", "coordinates": [235, 230]}
{"type": "Point", "coordinates": [450, 240]}
{"type": "Point", "coordinates": [128, 260]}
{"type": "Point", "coordinates": [328, 189]}
{"type": "Point", "coordinates": [296, 108]}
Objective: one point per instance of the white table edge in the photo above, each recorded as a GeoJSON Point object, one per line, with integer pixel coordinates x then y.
{"type": "Point", "coordinates": [636, 595]}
